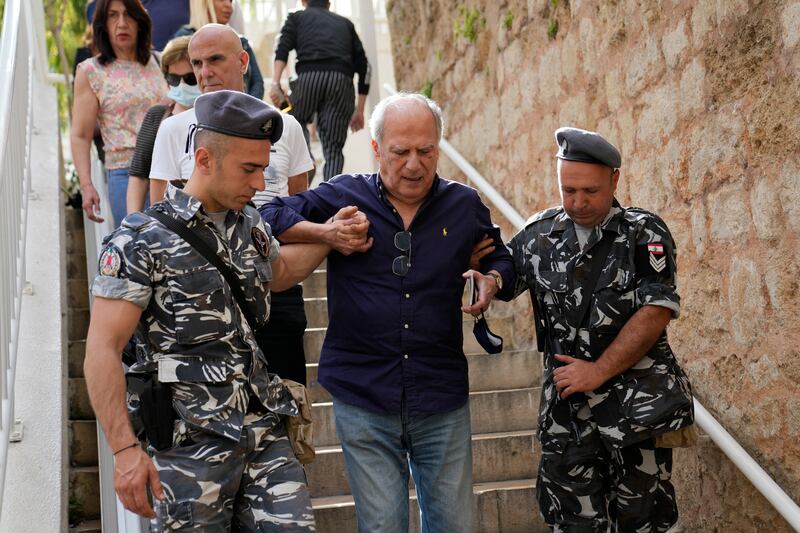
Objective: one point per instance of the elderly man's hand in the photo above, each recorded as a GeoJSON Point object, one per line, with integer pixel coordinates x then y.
{"type": "Point", "coordinates": [133, 472]}
{"type": "Point", "coordinates": [576, 375]}
{"type": "Point", "coordinates": [486, 287]}
{"type": "Point", "coordinates": [348, 231]}
{"type": "Point", "coordinates": [481, 249]}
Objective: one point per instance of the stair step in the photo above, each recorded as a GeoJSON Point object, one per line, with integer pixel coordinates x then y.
{"type": "Point", "coordinates": [75, 356]}
{"type": "Point", "coordinates": [507, 370]}
{"type": "Point", "coordinates": [495, 457]}
{"type": "Point", "coordinates": [312, 343]}
{"type": "Point", "coordinates": [317, 315]}
{"type": "Point", "coordinates": [76, 267]}
{"type": "Point", "coordinates": [80, 408]}
{"type": "Point", "coordinates": [77, 324]}
{"type": "Point", "coordinates": [78, 293]}
{"type": "Point", "coordinates": [316, 312]}
{"type": "Point", "coordinates": [498, 507]}
{"type": "Point", "coordinates": [88, 526]}
{"type": "Point", "coordinates": [491, 412]}
{"type": "Point", "coordinates": [315, 285]}
{"type": "Point", "coordinates": [83, 442]}
{"type": "Point", "coordinates": [84, 494]}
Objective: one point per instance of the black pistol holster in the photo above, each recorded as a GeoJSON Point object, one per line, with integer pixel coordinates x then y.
{"type": "Point", "coordinates": [155, 408]}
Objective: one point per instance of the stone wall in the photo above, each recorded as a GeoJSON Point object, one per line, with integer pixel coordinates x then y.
{"type": "Point", "coordinates": [703, 100]}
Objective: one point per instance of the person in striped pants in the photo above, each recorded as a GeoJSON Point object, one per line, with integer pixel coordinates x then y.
{"type": "Point", "coordinates": [329, 53]}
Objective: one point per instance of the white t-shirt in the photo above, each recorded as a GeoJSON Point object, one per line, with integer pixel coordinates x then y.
{"type": "Point", "coordinates": [288, 157]}
{"type": "Point", "coordinates": [171, 159]}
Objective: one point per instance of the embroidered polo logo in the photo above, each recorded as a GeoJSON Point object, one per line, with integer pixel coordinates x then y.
{"type": "Point", "coordinates": [444, 231]}
{"type": "Point", "coordinates": [657, 258]}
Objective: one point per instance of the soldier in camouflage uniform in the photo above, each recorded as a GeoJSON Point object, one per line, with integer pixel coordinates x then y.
{"type": "Point", "coordinates": [230, 464]}
{"type": "Point", "coordinates": [611, 384]}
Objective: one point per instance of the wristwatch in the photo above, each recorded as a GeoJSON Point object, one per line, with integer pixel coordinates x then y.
{"type": "Point", "coordinates": [497, 279]}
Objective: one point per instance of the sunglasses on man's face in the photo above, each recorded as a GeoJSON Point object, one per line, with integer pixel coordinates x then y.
{"type": "Point", "coordinates": [174, 79]}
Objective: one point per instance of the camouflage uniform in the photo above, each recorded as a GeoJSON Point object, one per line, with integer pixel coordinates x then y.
{"type": "Point", "coordinates": [231, 461]}
{"type": "Point", "coordinates": [615, 465]}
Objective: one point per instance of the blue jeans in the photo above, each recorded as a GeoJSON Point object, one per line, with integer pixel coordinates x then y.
{"type": "Point", "coordinates": [117, 193]}
{"type": "Point", "coordinates": [378, 450]}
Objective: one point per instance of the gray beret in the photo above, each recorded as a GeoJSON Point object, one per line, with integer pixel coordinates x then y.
{"type": "Point", "coordinates": [586, 147]}
{"type": "Point", "coordinates": [238, 115]}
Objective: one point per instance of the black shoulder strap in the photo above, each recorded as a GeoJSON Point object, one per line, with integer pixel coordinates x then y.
{"type": "Point", "coordinates": [599, 255]}
{"type": "Point", "coordinates": [203, 249]}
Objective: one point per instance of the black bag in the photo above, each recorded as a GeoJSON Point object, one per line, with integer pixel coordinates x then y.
{"type": "Point", "coordinates": [155, 408]}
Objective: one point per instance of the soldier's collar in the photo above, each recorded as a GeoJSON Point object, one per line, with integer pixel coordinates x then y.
{"type": "Point", "coordinates": [185, 206]}
{"type": "Point", "coordinates": [611, 222]}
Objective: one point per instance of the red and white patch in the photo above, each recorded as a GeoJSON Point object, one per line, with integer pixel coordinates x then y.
{"type": "Point", "coordinates": [657, 258]}
{"type": "Point", "coordinates": [110, 262]}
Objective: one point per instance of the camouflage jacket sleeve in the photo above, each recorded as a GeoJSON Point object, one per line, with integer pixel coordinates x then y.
{"type": "Point", "coordinates": [125, 267]}
{"type": "Point", "coordinates": [655, 261]}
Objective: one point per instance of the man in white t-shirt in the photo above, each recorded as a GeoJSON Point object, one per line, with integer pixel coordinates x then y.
{"type": "Point", "coordinates": [219, 62]}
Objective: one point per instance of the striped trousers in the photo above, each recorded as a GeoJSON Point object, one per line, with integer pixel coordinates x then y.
{"type": "Point", "coordinates": [331, 97]}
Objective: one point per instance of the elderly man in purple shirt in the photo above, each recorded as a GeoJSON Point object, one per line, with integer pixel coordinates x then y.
{"type": "Point", "coordinates": [393, 358]}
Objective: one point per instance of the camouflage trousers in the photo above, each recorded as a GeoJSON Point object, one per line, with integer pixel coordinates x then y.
{"type": "Point", "coordinates": [585, 486]}
{"type": "Point", "coordinates": [213, 484]}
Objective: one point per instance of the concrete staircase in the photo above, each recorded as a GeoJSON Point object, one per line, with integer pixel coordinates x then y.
{"type": "Point", "coordinates": [84, 484]}
{"type": "Point", "coordinates": [504, 397]}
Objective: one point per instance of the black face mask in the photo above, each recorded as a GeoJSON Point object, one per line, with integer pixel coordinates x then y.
{"type": "Point", "coordinates": [490, 342]}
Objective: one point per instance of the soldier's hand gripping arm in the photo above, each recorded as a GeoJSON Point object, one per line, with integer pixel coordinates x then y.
{"type": "Point", "coordinates": [112, 324]}
{"type": "Point", "coordinates": [634, 340]}
{"type": "Point", "coordinates": [296, 261]}
{"type": "Point", "coordinates": [346, 232]}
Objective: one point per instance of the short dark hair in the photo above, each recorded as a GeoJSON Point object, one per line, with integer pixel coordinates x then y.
{"type": "Point", "coordinates": [102, 41]}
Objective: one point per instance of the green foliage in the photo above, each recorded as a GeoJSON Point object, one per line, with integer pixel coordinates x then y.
{"type": "Point", "coordinates": [508, 20]}
{"type": "Point", "coordinates": [553, 4]}
{"type": "Point", "coordinates": [469, 23]}
{"type": "Point", "coordinates": [65, 21]}
{"type": "Point", "coordinates": [427, 89]}
{"type": "Point", "coordinates": [552, 28]}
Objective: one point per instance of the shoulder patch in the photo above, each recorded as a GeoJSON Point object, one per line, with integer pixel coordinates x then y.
{"type": "Point", "coordinates": [544, 215]}
{"type": "Point", "coordinates": [260, 241]}
{"type": "Point", "coordinates": [651, 260]}
{"type": "Point", "coordinates": [110, 262]}
{"type": "Point", "coordinates": [136, 220]}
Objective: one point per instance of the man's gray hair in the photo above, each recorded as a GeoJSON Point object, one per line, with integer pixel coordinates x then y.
{"type": "Point", "coordinates": [379, 113]}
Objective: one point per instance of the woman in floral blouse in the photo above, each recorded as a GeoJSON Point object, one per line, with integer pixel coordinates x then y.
{"type": "Point", "coordinates": [116, 88]}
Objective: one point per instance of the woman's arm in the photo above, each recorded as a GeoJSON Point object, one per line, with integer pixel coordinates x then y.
{"type": "Point", "coordinates": [84, 117]}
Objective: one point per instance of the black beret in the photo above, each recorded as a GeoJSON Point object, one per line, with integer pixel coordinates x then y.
{"type": "Point", "coordinates": [586, 147]}
{"type": "Point", "coordinates": [238, 115]}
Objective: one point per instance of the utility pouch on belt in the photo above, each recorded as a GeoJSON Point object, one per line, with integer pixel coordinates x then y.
{"type": "Point", "coordinates": [155, 407]}
{"type": "Point", "coordinates": [299, 429]}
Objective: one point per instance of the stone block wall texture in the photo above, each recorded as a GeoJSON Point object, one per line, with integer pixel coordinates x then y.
{"type": "Point", "coordinates": [703, 100]}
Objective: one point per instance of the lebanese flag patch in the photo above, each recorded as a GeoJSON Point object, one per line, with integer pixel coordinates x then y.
{"type": "Point", "coordinates": [657, 258]}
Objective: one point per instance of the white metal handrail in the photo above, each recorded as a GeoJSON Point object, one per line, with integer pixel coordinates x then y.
{"type": "Point", "coordinates": [705, 420]}
{"type": "Point", "coordinates": [16, 116]}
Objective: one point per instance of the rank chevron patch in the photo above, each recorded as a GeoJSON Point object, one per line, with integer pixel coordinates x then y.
{"type": "Point", "coordinates": [657, 258]}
